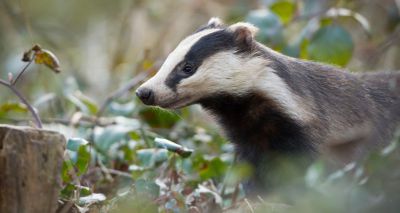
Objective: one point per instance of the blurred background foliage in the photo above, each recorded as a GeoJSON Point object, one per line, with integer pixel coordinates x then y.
{"type": "Point", "coordinates": [112, 162]}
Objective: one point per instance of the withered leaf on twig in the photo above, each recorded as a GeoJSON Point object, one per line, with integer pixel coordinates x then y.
{"type": "Point", "coordinates": [42, 56]}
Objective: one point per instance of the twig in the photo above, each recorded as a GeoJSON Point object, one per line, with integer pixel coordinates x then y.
{"type": "Point", "coordinates": [249, 205]}
{"type": "Point", "coordinates": [117, 172]}
{"type": "Point", "coordinates": [36, 117]}
{"type": "Point", "coordinates": [298, 17]}
{"type": "Point", "coordinates": [127, 87]}
{"type": "Point", "coordinates": [235, 195]}
{"type": "Point", "coordinates": [13, 82]}
{"type": "Point", "coordinates": [383, 46]}
{"type": "Point", "coordinates": [66, 207]}
{"type": "Point", "coordinates": [84, 120]}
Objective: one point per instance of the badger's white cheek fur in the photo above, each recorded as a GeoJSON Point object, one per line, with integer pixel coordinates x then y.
{"type": "Point", "coordinates": [224, 72]}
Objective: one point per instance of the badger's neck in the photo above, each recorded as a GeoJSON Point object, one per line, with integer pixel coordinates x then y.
{"type": "Point", "coordinates": [257, 125]}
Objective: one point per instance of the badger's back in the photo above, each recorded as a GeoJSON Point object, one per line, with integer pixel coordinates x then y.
{"type": "Point", "coordinates": [353, 113]}
{"type": "Point", "coordinates": [384, 90]}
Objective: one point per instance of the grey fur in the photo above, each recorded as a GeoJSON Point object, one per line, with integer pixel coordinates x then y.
{"type": "Point", "coordinates": [351, 114]}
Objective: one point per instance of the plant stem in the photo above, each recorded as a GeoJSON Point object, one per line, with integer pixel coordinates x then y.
{"type": "Point", "coordinates": [22, 71]}
{"type": "Point", "coordinates": [36, 117]}
{"type": "Point", "coordinates": [127, 87]}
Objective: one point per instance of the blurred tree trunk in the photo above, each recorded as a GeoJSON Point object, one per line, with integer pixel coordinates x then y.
{"type": "Point", "coordinates": [30, 168]}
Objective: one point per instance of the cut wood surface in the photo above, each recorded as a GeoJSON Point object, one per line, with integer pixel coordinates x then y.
{"type": "Point", "coordinates": [30, 164]}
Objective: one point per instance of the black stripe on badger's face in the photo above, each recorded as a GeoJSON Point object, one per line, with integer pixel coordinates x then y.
{"type": "Point", "coordinates": [205, 47]}
{"type": "Point", "coordinates": [204, 63]}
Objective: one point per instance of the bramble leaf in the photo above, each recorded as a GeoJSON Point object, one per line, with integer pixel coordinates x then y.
{"type": "Point", "coordinates": [331, 44]}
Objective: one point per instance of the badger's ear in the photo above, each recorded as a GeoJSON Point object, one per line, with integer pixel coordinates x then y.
{"type": "Point", "coordinates": [214, 22]}
{"type": "Point", "coordinates": [244, 33]}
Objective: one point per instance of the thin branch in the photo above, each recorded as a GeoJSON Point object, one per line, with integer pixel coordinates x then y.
{"type": "Point", "coordinates": [67, 207]}
{"type": "Point", "coordinates": [383, 46]}
{"type": "Point", "coordinates": [117, 172]}
{"type": "Point", "coordinates": [298, 17]}
{"type": "Point", "coordinates": [249, 205]}
{"type": "Point", "coordinates": [22, 71]}
{"type": "Point", "coordinates": [36, 117]}
{"type": "Point", "coordinates": [121, 91]}
{"type": "Point", "coordinates": [84, 120]}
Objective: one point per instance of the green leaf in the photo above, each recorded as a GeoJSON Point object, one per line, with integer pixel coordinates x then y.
{"type": "Point", "coordinates": [124, 109]}
{"type": "Point", "coordinates": [68, 190]}
{"type": "Point", "coordinates": [213, 169]}
{"type": "Point", "coordinates": [43, 99]}
{"type": "Point", "coordinates": [67, 167]}
{"type": "Point", "coordinates": [107, 136]}
{"type": "Point", "coordinates": [389, 149]}
{"type": "Point", "coordinates": [159, 118]}
{"type": "Point", "coordinates": [147, 187]}
{"type": "Point", "coordinates": [84, 103]}
{"type": "Point", "coordinates": [284, 9]}
{"type": "Point", "coordinates": [173, 147]}
{"type": "Point", "coordinates": [83, 160]}
{"type": "Point", "coordinates": [84, 191]}
{"type": "Point", "coordinates": [270, 27]}
{"type": "Point", "coordinates": [91, 199]}
{"type": "Point", "coordinates": [73, 144]}
{"type": "Point", "coordinates": [315, 174]}
{"type": "Point", "coordinates": [238, 173]}
{"type": "Point", "coordinates": [331, 44]}
{"type": "Point", "coordinates": [12, 107]}
{"type": "Point", "coordinates": [149, 157]}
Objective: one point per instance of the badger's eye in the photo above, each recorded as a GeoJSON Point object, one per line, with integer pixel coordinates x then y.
{"type": "Point", "coordinates": [188, 69]}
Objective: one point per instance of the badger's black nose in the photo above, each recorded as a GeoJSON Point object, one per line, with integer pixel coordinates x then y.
{"type": "Point", "coordinates": [146, 95]}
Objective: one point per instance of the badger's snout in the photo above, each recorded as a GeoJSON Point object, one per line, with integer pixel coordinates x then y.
{"type": "Point", "coordinates": [145, 95]}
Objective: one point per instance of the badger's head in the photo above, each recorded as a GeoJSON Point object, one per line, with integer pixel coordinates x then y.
{"type": "Point", "coordinates": [215, 59]}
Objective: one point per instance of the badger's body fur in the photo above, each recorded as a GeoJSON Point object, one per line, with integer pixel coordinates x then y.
{"type": "Point", "coordinates": [272, 106]}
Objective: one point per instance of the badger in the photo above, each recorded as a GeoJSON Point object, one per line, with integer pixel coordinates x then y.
{"type": "Point", "coordinates": [272, 106]}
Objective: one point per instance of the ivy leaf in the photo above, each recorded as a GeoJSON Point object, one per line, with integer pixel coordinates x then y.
{"type": "Point", "coordinates": [88, 102]}
{"type": "Point", "coordinates": [83, 160]}
{"type": "Point", "coordinates": [147, 187]}
{"type": "Point", "coordinates": [331, 44]}
{"type": "Point", "coordinates": [105, 137]}
{"type": "Point", "coordinates": [123, 109]}
{"type": "Point", "coordinates": [73, 144]}
{"type": "Point", "coordinates": [149, 157]}
{"type": "Point", "coordinates": [284, 9]}
{"type": "Point", "coordinates": [158, 118]}
{"type": "Point", "coordinates": [91, 199]}
{"type": "Point", "coordinates": [67, 167]}
{"type": "Point", "coordinates": [85, 104]}
{"type": "Point", "coordinates": [173, 147]}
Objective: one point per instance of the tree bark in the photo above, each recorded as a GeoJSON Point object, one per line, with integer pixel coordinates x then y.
{"type": "Point", "coordinates": [30, 169]}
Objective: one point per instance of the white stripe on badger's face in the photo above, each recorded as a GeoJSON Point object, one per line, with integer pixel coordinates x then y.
{"type": "Point", "coordinates": [164, 94]}
{"type": "Point", "coordinates": [229, 73]}
{"type": "Point", "coordinates": [224, 71]}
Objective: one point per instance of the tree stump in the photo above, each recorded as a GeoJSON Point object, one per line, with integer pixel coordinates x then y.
{"type": "Point", "coordinates": [30, 169]}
